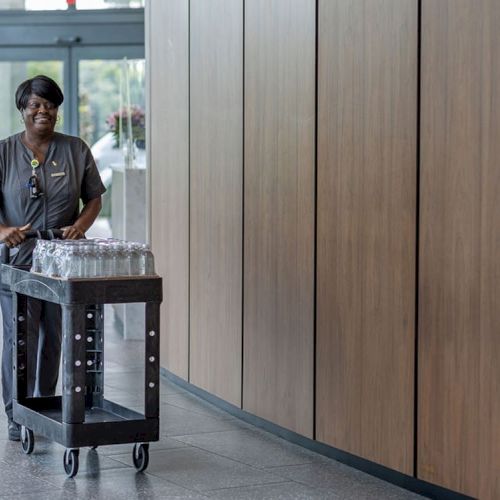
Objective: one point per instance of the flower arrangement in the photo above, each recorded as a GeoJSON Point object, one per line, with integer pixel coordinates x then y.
{"type": "Point", "coordinates": [138, 121]}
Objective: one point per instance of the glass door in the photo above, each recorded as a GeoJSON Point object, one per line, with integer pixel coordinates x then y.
{"type": "Point", "coordinates": [104, 104]}
{"type": "Point", "coordinates": [102, 97]}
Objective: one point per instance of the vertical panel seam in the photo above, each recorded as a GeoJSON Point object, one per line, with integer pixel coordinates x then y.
{"type": "Point", "coordinates": [243, 209]}
{"type": "Point", "coordinates": [315, 242]}
{"type": "Point", "coordinates": [189, 196]}
{"type": "Point", "coordinates": [417, 238]}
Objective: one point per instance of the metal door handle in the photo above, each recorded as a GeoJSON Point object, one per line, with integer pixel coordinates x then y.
{"type": "Point", "coordinates": [72, 40]}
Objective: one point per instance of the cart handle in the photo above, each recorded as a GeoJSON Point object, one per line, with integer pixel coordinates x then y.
{"type": "Point", "coordinates": [49, 234]}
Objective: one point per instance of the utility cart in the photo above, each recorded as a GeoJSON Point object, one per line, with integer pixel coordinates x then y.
{"type": "Point", "coordinates": [82, 417]}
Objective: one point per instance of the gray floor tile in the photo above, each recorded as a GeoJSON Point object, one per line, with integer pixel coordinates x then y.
{"type": "Point", "coordinates": [122, 484]}
{"type": "Point", "coordinates": [252, 447]}
{"type": "Point", "coordinates": [121, 449]}
{"type": "Point", "coordinates": [202, 471]}
{"type": "Point", "coordinates": [195, 404]}
{"type": "Point", "coordinates": [47, 459]}
{"type": "Point", "coordinates": [133, 383]}
{"type": "Point", "coordinates": [115, 367]}
{"type": "Point", "coordinates": [3, 433]}
{"type": "Point", "coordinates": [345, 482]}
{"type": "Point", "coordinates": [280, 491]}
{"type": "Point", "coordinates": [129, 382]}
{"type": "Point", "coordinates": [124, 398]}
{"type": "Point", "coordinates": [175, 421]}
{"type": "Point", "coordinates": [53, 494]}
{"type": "Point", "coordinates": [15, 481]}
{"type": "Point", "coordinates": [132, 394]}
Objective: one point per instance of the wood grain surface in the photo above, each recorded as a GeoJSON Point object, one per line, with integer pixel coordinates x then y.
{"type": "Point", "coordinates": [459, 316]}
{"type": "Point", "coordinates": [169, 172]}
{"type": "Point", "coordinates": [279, 211]}
{"type": "Point", "coordinates": [366, 244]}
{"type": "Point", "coordinates": [216, 196]}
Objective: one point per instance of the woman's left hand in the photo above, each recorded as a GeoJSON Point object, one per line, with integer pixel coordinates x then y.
{"type": "Point", "coordinates": [72, 233]}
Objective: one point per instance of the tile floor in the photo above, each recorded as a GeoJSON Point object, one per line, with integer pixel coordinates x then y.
{"type": "Point", "coordinates": [203, 453]}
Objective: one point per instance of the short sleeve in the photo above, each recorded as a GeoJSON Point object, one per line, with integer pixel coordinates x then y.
{"type": "Point", "coordinates": [92, 186]}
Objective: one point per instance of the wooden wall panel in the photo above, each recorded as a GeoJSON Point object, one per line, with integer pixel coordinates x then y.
{"type": "Point", "coordinates": [366, 228]}
{"type": "Point", "coordinates": [459, 316]}
{"type": "Point", "coordinates": [279, 211]}
{"type": "Point", "coordinates": [169, 172]}
{"type": "Point", "coordinates": [216, 196]}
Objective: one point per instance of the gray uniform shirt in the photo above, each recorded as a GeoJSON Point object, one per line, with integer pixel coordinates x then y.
{"type": "Point", "coordinates": [68, 174]}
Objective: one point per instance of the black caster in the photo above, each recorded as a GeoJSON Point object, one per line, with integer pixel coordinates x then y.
{"type": "Point", "coordinates": [140, 456]}
{"type": "Point", "coordinates": [93, 448]}
{"type": "Point", "coordinates": [71, 461]}
{"type": "Point", "coordinates": [27, 440]}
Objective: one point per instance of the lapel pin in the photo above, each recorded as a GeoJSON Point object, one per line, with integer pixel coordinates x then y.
{"type": "Point", "coordinates": [54, 163]}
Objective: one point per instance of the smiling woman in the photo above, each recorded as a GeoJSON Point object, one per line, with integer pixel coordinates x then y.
{"type": "Point", "coordinates": [38, 100]}
{"type": "Point", "coordinates": [44, 175]}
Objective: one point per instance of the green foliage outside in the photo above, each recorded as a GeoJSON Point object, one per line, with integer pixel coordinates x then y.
{"type": "Point", "coordinates": [100, 94]}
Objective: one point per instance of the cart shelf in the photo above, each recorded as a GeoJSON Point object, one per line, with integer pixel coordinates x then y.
{"type": "Point", "coordinates": [82, 416]}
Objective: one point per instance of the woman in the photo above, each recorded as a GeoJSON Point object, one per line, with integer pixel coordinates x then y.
{"type": "Point", "coordinates": [43, 176]}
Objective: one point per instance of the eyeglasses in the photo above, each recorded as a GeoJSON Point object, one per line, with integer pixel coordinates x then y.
{"type": "Point", "coordinates": [38, 104]}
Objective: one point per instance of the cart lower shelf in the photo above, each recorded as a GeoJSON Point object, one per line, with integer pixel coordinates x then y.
{"type": "Point", "coordinates": [92, 415]}
{"type": "Point", "coordinates": [105, 423]}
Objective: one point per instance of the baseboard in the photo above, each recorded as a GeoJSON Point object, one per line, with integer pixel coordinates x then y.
{"type": "Point", "coordinates": [404, 481]}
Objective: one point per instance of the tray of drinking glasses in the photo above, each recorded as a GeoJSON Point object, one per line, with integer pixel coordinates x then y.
{"type": "Point", "coordinates": [90, 258]}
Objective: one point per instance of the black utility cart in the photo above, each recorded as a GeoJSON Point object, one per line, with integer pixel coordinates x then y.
{"type": "Point", "coordinates": [82, 417]}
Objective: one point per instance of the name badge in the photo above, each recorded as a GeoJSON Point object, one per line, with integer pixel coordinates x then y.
{"type": "Point", "coordinates": [58, 174]}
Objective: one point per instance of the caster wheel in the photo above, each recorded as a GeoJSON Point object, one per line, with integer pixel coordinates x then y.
{"type": "Point", "coordinates": [93, 448]}
{"type": "Point", "coordinates": [27, 440]}
{"type": "Point", "coordinates": [140, 456]}
{"type": "Point", "coordinates": [71, 461]}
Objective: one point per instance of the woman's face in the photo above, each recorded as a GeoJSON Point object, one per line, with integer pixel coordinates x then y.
{"type": "Point", "coordinates": [40, 115]}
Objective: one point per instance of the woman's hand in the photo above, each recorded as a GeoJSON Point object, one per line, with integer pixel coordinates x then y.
{"type": "Point", "coordinates": [72, 233]}
{"type": "Point", "coordinates": [13, 236]}
{"type": "Point", "coordinates": [85, 220]}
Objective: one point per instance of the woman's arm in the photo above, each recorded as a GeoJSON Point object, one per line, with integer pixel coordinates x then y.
{"type": "Point", "coordinates": [85, 220]}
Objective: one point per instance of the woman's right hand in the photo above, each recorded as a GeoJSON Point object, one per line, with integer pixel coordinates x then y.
{"type": "Point", "coordinates": [13, 236]}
